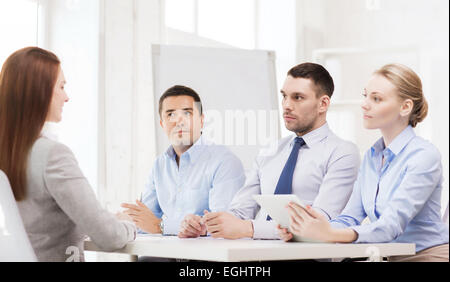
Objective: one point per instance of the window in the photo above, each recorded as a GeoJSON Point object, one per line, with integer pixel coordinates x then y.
{"type": "Point", "coordinates": [231, 22]}
{"type": "Point", "coordinates": [180, 14]}
{"type": "Point", "coordinates": [20, 25]}
{"type": "Point", "coordinates": [73, 37]}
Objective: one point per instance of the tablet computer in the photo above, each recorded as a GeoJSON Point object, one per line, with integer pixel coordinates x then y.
{"type": "Point", "coordinates": [275, 207]}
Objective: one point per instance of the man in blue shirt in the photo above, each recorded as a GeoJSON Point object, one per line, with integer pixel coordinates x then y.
{"type": "Point", "coordinates": [193, 175]}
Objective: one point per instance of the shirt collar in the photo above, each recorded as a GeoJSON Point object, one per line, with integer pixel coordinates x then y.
{"type": "Point", "coordinates": [397, 144]}
{"type": "Point", "coordinates": [49, 131]}
{"type": "Point", "coordinates": [313, 137]}
{"type": "Point", "coordinates": [192, 153]}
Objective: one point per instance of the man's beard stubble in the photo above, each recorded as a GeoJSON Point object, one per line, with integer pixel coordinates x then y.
{"type": "Point", "coordinates": [302, 129]}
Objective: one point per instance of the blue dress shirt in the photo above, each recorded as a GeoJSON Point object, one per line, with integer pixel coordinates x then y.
{"type": "Point", "coordinates": [207, 178]}
{"type": "Point", "coordinates": [402, 198]}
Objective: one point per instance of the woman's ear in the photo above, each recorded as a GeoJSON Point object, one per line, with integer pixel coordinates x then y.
{"type": "Point", "coordinates": [406, 108]}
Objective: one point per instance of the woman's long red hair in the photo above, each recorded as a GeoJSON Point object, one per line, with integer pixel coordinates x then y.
{"type": "Point", "coordinates": [27, 80]}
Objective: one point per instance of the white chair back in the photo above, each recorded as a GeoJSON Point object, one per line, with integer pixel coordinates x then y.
{"type": "Point", "coordinates": [14, 242]}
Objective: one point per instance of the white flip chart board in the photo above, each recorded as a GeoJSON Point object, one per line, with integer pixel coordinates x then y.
{"type": "Point", "coordinates": [238, 92]}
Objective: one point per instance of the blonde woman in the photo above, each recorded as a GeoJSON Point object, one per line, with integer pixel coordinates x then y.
{"type": "Point", "coordinates": [57, 204]}
{"type": "Point", "coordinates": [399, 183]}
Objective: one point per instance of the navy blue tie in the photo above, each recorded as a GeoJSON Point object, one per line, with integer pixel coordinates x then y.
{"type": "Point", "coordinates": [284, 185]}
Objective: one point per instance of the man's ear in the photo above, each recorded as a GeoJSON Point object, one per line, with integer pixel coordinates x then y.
{"type": "Point", "coordinates": [161, 123]}
{"type": "Point", "coordinates": [324, 103]}
{"type": "Point", "coordinates": [406, 108]}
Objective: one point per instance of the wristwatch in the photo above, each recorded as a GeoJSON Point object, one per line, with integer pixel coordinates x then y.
{"type": "Point", "coordinates": [161, 226]}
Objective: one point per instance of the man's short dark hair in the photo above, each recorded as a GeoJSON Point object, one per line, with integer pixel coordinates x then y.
{"type": "Point", "coordinates": [318, 74]}
{"type": "Point", "coordinates": [180, 90]}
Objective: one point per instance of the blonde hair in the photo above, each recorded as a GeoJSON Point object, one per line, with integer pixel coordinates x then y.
{"type": "Point", "coordinates": [409, 86]}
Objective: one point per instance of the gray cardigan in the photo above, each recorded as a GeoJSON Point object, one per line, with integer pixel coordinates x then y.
{"type": "Point", "coordinates": [60, 208]}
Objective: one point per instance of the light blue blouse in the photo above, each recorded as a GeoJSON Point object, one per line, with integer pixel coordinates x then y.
{"type": "Point", "coordinates": [402, 198]}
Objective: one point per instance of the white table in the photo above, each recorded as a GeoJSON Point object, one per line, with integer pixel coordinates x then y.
{"type": "Point", "coordinates": [222, 250]}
